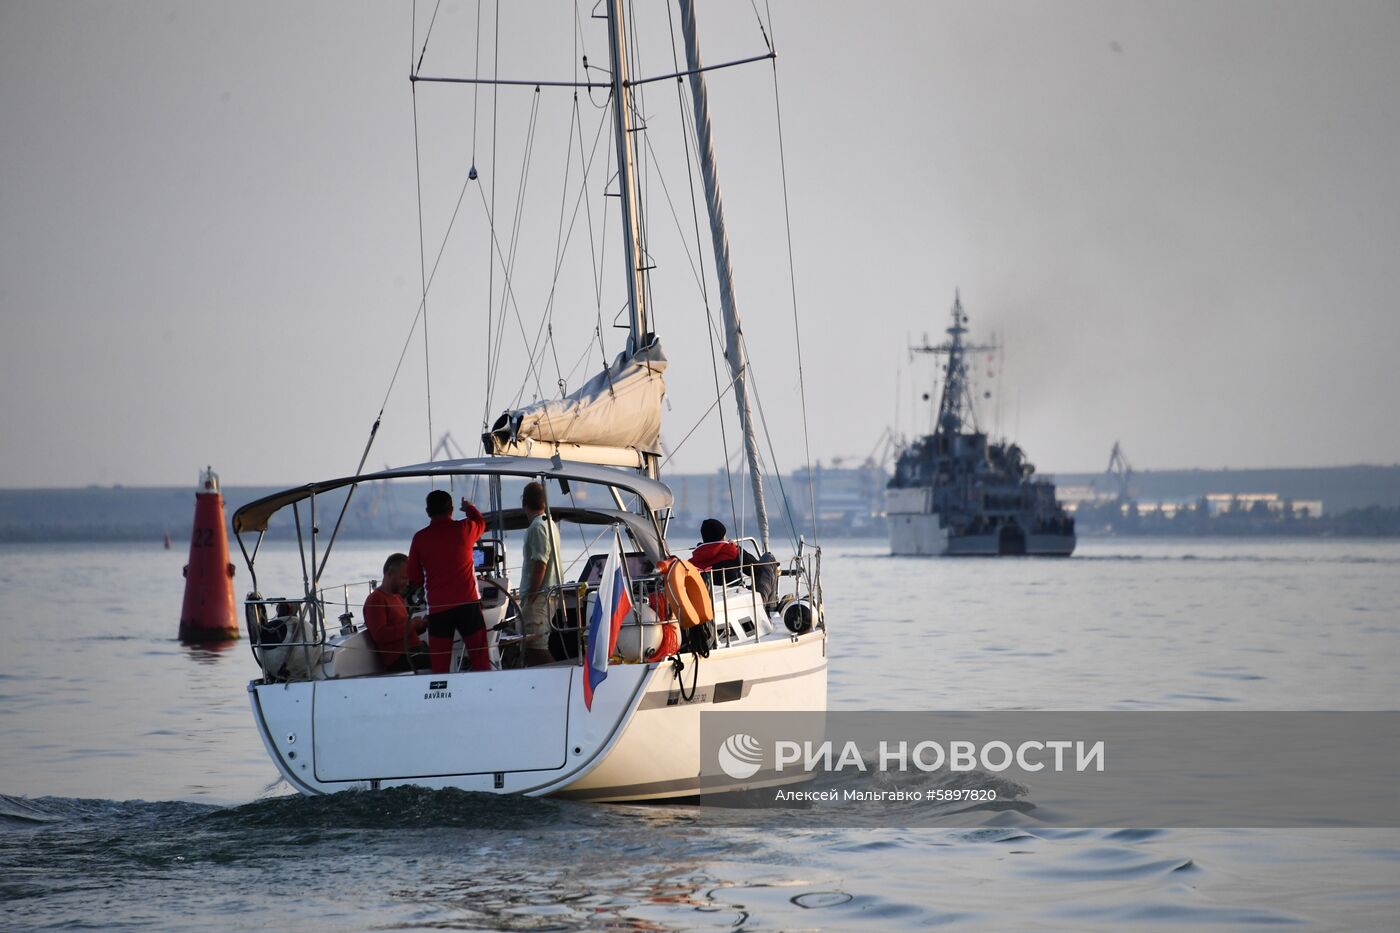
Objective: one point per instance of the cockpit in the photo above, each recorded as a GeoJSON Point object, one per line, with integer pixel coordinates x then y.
{"type": "Point", "coordinates": [601, 515]}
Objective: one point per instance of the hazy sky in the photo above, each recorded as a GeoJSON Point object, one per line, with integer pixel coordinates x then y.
{"type": "Point", "coordinates": [1183, 219]}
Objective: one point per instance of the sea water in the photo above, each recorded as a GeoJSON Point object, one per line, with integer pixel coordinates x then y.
{"type": "Point", "coordinates": [135, 792]}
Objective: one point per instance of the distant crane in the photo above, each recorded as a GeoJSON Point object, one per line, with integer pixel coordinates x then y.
{"type": "Point", "coordinates": [1120, 472]}
{"type": "Point", "coordinates": [448, 446]}
{"type": "Point", "coordinates": [887, 445]}
{"type": "Point", "coordinates": [375, 506]}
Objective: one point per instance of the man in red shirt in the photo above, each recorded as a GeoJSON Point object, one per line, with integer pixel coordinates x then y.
{"type": "Point", "coordinates": [397, 640]}
{"type": "Point", "coordinates": [441, 560]}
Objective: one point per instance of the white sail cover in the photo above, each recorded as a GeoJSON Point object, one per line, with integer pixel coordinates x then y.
{"type": "Point", "coordinates": [618, 410]}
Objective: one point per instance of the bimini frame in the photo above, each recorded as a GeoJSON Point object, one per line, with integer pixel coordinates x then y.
{"type": "Point", "coordinates": [654, 499]}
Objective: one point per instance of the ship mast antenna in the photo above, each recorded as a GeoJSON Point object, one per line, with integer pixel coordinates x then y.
{"type": "Point", "coordinates": [956, 387]}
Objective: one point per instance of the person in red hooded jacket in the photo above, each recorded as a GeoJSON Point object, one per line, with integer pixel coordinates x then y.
{"type": "Point", "coordinates": [716, 553]}
{"type": "Point", "coordinates": [725, 563]}
{"type": "Point", "coordinates": [441, 560]}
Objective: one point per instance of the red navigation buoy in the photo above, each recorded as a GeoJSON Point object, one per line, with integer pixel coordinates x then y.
{"type": "Point", "coordinates": [208, 613]}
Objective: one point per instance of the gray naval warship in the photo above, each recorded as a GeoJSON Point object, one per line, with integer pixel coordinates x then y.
{"type": "Point", "coordinates": [955, 493]}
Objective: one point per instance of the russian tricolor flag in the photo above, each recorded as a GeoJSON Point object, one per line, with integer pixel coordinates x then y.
{"type": "Point", "coordinates": [613, 605]}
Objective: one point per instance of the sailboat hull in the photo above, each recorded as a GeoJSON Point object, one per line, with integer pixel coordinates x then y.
{"type": "Point", "coordinates": [528, 731]}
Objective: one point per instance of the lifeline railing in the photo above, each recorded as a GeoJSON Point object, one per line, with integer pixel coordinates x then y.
{"type": "Point", "coordinates": [804, 570]}
{"type": "Point", "coordinates": [310, 613]}
{"type": "Point", "coordinates": [258, 621]}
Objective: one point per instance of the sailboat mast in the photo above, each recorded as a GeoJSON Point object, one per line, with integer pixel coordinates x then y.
{"type": "Point", "coordinates": [626, 173]}
{"type": "Point", "coordinates": [734, 352]}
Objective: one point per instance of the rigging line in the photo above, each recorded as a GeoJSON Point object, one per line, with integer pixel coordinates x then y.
{"type": "Point", "coordinates": [558, 250]}
{"type": "Point", "coordinates": [777, 475]}
{"type": "Point", "coordinates": [603, 234]}
{"type": "Point", "coordinates": [582, 358]}
{"type": "Point", "coordinates": [588, 205]}
{"type": "Point", "coordinates": [587, 544]}
{"type": "Point", "coordinates": [580, 40]}
{"type": "Point", "coordinates": [510, 292]}
{"type": "Point", "coordinates": [476, 72]}
{"type": "Point", "coordinates": [423, 273]}
{"type": "Point", "coordinates": [792, 287]}
{"type": "Point", "coordinates": [509, 266]}
{"type": "Point", "coordinates": [544, 332]}
{"type": "Point", "coordinates": [762, 31]}
{"type": "Point", "coordinates": [491, 223]}
{"type": "Point", "coordinates": [586, 166]}
{"type": "Point", "coordinates": [536, 348]}
{"type": "Point", "coordinates": [701, 420]}
{"type": "Point", "coordinates": [594, 269]}
{"type": "Point", "coordinates": [691, 146]}
{"type": "Point", "coordinates": [661, 176]}
{"type": "Point", "coordinates": [518, 211]}
{"type": "Point", "coordinates": [534, 364]}
{"type": "Point", "coordinates": [413, 328]}
{"type": "Point", "coordinates": [426, 35]}
{"type": "Point", "coordinates": [567, 235]}
{"type": "Point", "coordinates": [773, 467]}
{"type": "Point", "coordinates": [769, 34]}
{"type": "Point", "coordinates": [582, 537]}
{"type": "Point", "coordinates": [516, 224]}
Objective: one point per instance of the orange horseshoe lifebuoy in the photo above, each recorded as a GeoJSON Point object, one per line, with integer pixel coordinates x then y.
{"type": "Point", "coordinates": [687, 593]}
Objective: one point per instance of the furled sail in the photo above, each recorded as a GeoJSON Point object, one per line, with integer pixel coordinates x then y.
{"type": "Point", "coordinates": [613, 418]}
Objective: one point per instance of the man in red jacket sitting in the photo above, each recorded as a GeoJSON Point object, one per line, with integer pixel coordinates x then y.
{"type": "Point", "coordinates": [441, 560]}
{"type": "Point", "coordinates": [716, 553]}
{"type": "Point", "coordinates": [725, 563]}
{"type": "Point", "coordinates": [397, 640]}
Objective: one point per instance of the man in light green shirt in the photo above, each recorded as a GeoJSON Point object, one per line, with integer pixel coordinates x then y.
{"type": "Point", "coordinates": [541, 575]}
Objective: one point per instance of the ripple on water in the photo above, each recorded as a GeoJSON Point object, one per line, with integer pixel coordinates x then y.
{"type": "Point", "coordinates": [1134, 835]}
{"type": "Point", "coordinates": [816, 900]}
{"type": "Point", "coordinates": [1229, 674]}
{"type": "Point", "coordinates": [1202, 697]}
{"type": "Point", "coordinates": [1185, 914]}
{"type": "Point", "coordinates": [820, 907]}
{"type": "Point", "coordinates": [1107, 863]}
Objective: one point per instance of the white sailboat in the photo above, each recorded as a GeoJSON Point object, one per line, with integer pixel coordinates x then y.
{"type": "Point", "coordinates": [332, 719]}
